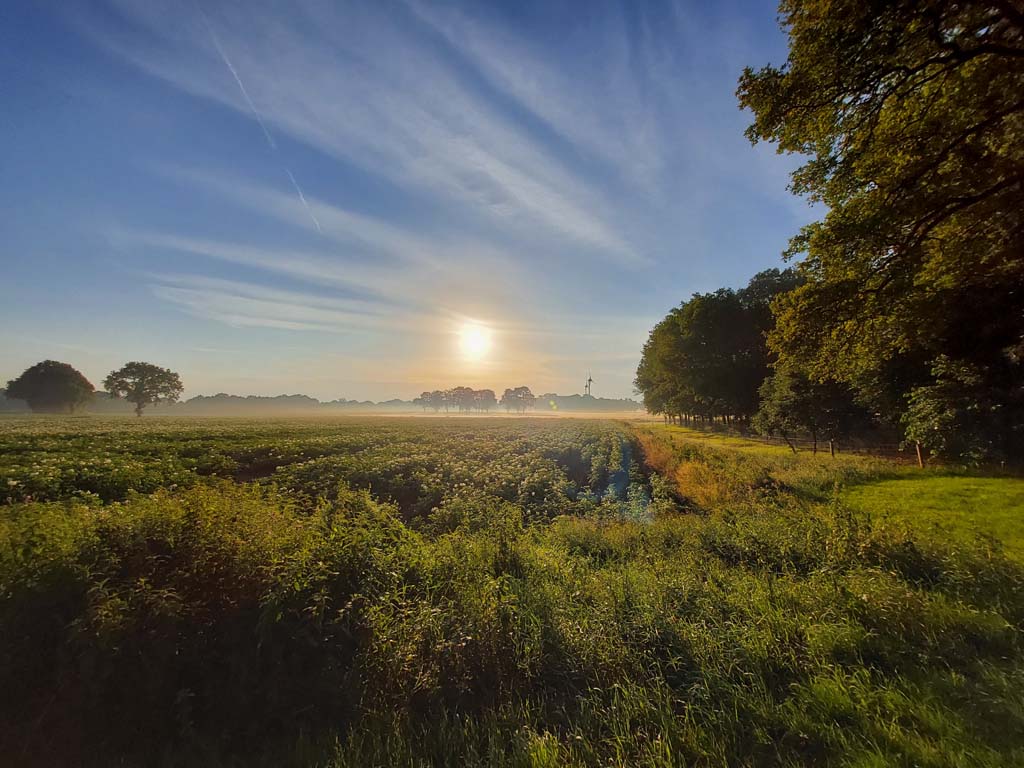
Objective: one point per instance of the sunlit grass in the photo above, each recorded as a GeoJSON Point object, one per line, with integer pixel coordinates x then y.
{"type": "Point", "coordinates": [954, 507]}
{"type": "Point", "coordinates": [716, 470]}
{"type": "Point", "coordinates": [707, 439]}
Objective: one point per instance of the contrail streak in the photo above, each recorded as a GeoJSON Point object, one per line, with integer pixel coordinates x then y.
{"type": "Point", "coordinates": [256, 114]}
{"type": "Point", "coordinates": [302, 197]}
{"type": "Point", "coordinates": [241, 85]}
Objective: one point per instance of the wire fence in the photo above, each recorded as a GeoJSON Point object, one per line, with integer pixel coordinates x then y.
{"type": "Point", "coordinates": [892, 451]}
{"type": "Point", "coordinates": [882, 448]}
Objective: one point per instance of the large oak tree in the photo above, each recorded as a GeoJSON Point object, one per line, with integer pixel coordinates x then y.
{"type": "Point", "coordinates": [911, 114]}
{"type": "Point", "coordinates": [708, 356]}
{"type": "Point", "coordinates": [144, 384]}
{"type": "Point", "coordinates": [51, 387]}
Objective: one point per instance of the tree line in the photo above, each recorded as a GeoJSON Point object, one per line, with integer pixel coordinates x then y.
{"type": "Point", "coordinates": [906, 305]}
{"type": "Point", "coordinates": [55, 387]}
{"type": "Point", "coordinates": [708, 361]}
{"type": "Point", "coordinates": [467, 400]}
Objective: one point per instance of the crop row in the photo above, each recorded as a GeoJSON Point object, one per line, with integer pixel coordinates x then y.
{"type": "Point", "coordinates": [425, 467]}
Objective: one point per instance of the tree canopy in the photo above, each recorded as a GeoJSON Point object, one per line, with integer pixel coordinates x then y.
{"type": "Point", "coordinates": [519, 399]}
{"type": "Point", "coordinates": [51, 387]}
{"type": "Point", "coordinates": [465, 399]}
{"type": "Point", "coordinates": [485, 399]}
{"type": "Point", "coordinates": [911, 115]}
{"type": "Point", "coordinates": [792, 404]}
{"type": "Point", "coordinates": [144, 384]}
{"type": "Point", "coordinates": [708, 356]}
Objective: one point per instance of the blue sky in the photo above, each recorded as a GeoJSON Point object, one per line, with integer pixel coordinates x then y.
{"type": "Point", "coordinates": [320, 196]}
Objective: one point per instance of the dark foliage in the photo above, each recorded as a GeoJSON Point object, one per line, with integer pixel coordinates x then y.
{"type": "Point", "coordinates": [51, 387]}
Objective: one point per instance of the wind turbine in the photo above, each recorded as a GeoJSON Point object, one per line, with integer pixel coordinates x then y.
{"type": "Point", "coordinates": [589, 382]}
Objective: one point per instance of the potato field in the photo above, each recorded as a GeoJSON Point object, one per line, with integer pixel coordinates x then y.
{"type": "Point", "coordinates": [494, 591]}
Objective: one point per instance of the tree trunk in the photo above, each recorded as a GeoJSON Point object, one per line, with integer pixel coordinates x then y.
{"type": "Point", "coordinates": [789, 443]}
{"type": "Point", "coordinates": [920, 458]}
{"type": "Point", "coordinates": [832, 448]}
{"type": "Point", "coordinates": [814, 443]}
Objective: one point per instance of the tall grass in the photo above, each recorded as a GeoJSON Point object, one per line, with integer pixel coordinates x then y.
{"type": "Point", "coordinates": [715, 472]}
{"type": "Point", "coordinates": [223, 625]}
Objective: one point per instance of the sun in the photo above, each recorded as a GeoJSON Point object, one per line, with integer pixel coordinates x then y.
{"type": "Point", "coordinates": [474, 341]}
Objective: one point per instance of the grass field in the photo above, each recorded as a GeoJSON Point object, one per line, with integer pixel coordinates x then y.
{"type": "Point", "coordinates": [516, 592]}
{"type": "Point", "coordinates": [950, 507]}
{"type": "Point", "coordinates": [936, 502]}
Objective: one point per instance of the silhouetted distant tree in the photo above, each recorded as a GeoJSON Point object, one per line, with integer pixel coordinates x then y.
{"type": "Point", "coordinates": [519, 399]}
{"type": "Point", "coordinates": [144, 384]}
{"type": "Point", "coordinates": [51, 387]}
{"type": "Point", "coordinates": [507, 400]}
{"type": "Point", "coordinates": [465, 399]}
{"type": "Point", "coordinates": [462, 398]}
{"type": "Point", "coordinates": [486, 399]}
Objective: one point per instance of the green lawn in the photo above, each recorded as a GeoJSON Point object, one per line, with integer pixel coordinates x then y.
{"type": "Point", "coordinates": [935, 503]}
{"type": "Point", "coordinates": [954, 506]}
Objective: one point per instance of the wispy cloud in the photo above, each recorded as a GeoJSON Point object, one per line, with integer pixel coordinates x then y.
{"type": "Point", "coordinates": [306, 266]}
{"type": "Point", "coordinates": [244, 304]}
{"type": "Point", "coordinates": [606, 119]}
{"type": "Point", "coordinates": [358, 253]}
{"type": "Point", "coordinates": [357, 232]}
{"type": "Point", "coordinates": [369, 91]}
{"type": "Point", "coordinates": [255, 113]}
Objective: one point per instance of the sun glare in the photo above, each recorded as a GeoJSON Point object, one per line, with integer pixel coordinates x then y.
{"type": "Point", "coordinates": [474, 341]}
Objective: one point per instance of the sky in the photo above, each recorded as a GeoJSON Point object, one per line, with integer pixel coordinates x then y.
{"type": "Point", "coordinates": [331, 198]}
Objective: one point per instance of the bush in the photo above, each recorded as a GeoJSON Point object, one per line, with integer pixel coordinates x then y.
{"type": "Point", "coordinates": [217, 617]}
